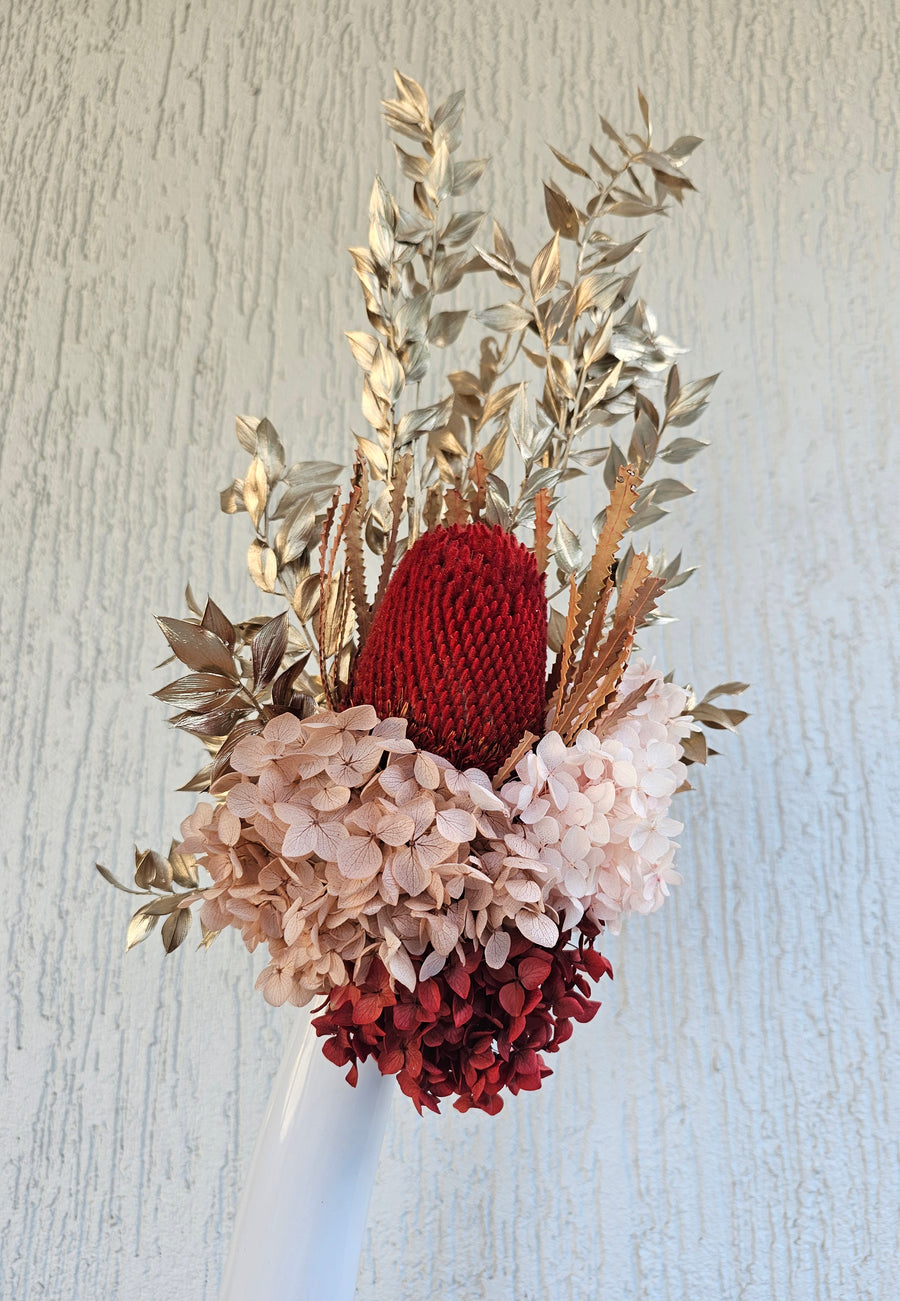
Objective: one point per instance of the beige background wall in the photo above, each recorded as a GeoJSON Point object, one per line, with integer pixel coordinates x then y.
{"type": "Point", "coordinates": [180, 182]}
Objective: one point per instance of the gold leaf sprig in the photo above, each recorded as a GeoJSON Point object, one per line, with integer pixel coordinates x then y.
{"type": "Point", "coordinates": [600, 350]}
{"type": "Point", "coordinates": [413, 256]}
{"type": "Point", "coordinates": [241, 675]}
{"type": "Point", "coordinates": [171, 885]}
{"type": "Point", "coordinates": [714, 717]}
{"type": "Point", "coordinates": [286, 505]}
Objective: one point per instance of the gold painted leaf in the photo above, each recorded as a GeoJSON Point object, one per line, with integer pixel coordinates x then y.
{"type": "Point", "coordinates": [184, 867]}
{"type": "Point", "coordinates": [545, 269]}
{"type": "Point", "coordinates": [683, 147]}
{"type": "Point", "coordinates": [386, 376]}
{"type": "Point", "coordinates": [256, 490]}
{"type": "Point", "coordinates": [245, 428]}
{"type": "Point", "coordinates": [198, 648]}
{"type": "Point", "coordinates": [569, 164]}
{"type": "Point", "coordinates": [108, 876]}
{"type": "Point", "coordinates": [270, 450]}
{"type": "Point", "coordinates": [508, 318]}
{"type": "Point", "coordinates": [139, 928]}
{"type": "Point", "coordinates": [561, 213]}
{"type": "Point", "coordinates": [682, 449]}
{"type": "Point", "coordinates": [175, 929]}
{"type": "Point", "coordinates": [215, 621]}
{"type": "Point", "coordinates": [444, 327]}
{"type": "Point", "coordinates": [466, 174]}
{"type": "Point", "coordinates": [267, 650]}
{"type": "Point", "coordinates": [231, 499]}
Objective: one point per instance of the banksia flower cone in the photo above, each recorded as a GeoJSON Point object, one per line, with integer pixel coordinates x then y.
{"type": "Point", "coordinates": [458, 646]}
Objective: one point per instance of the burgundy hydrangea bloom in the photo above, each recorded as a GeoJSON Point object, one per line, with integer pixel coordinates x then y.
{"type": "Point", "coordinates": [458, 646]}
{"type": "Point", "coordinates": [470, 1031]}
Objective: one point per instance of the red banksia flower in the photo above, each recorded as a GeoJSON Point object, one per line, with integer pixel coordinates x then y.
{"type": "Point", "coordinates": [458, 646]}
{"type": "Point", "coordinates": [470, 1031]}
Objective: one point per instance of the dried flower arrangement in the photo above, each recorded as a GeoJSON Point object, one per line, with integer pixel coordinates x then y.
{"type": "Point", "coordinates": [426, 824]}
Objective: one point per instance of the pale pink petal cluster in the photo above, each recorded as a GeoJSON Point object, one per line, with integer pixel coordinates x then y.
{"type": "Point", "coordinates": [337, 839]}
{"type": "Point", "coordinates": [592, 818]}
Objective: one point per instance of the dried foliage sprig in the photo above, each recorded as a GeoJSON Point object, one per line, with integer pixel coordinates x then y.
{"type": "Point", "coordinates": [400, 788]}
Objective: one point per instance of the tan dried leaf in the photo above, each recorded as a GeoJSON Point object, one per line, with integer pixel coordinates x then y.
{"type": "Point", "coordinates": [263, 565]}
{"type": "Point", "coordinates": [197, 648]}
{"type": "Point", "coordinates": [561, 213]}
{"type": "Point", "coordinates": [139, 928]}
{"type": "Point", "coordinates": [256, 490]}
{"type": "Point", "coordinates": [245, 428]}
{"type": "Point", "coordinates": [175, 929]}
{"type": "Point", "coordinates": [545, 270]}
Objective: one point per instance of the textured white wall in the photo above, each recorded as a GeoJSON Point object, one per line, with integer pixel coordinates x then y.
{"type": "Point", "coordinates": [180, 181]}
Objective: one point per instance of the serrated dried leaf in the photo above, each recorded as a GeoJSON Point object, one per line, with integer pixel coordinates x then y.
{"type": "Point", "coordinates": [542, 528]}
{"type": "Point", "coordinates": [618, 513]}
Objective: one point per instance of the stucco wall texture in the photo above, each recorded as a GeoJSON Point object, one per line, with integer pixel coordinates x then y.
{"type": "Point", "coordinates": [180, 184]}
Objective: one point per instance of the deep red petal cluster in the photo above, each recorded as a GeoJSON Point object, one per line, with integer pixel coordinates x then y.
{"type": "Point", "coordinates": [458, 646]}
{"type": "Point", "coordinates": [470, 1031]}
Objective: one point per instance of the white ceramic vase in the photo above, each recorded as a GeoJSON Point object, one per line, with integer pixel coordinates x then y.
{"type": "Point", "coordinates": [302, 1215]}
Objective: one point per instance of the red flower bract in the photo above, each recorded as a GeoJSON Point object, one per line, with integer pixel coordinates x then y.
{"type": "Point", "coordinates": [458, 646]}
{"type": "Point", "coordinates": [470, 1031]}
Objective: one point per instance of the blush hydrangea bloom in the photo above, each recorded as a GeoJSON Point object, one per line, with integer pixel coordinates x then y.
{"type": "Point", "coordinates": [591, 819]}
{"type": "Point", "coordinates": [338, 839]}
